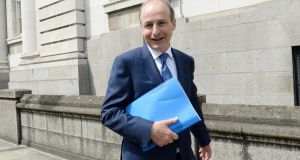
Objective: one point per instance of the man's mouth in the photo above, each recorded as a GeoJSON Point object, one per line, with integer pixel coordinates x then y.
{"type": "Point", "coordinates": [157, 39]}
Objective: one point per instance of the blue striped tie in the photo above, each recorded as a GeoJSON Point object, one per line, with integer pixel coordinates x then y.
{"type": "Point", "coordinates": [165, 71]}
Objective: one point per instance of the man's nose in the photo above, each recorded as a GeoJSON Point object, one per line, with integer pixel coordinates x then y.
{"type": "Point", "coordinates": [156, 30]}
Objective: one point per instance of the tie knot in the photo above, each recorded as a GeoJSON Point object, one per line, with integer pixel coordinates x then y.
{"type": "Point", "coordinates": [163, 57]}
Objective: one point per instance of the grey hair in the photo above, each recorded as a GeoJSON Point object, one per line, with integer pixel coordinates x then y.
{"type": "Point", "coordinates": [166, 2]}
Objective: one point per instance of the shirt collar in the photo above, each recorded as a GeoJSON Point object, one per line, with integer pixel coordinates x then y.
{"type": "Point", "coordinates": [155, 54]}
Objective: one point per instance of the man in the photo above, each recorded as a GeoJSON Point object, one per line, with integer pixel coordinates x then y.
{"type": "Point", "coordinates": [138, 71]}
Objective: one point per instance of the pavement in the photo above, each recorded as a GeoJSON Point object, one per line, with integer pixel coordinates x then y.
{"type": "Point", "coordinates": [10, 151]}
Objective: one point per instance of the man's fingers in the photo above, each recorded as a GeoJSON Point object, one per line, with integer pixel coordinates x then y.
{"type": "Point", "coordinates": [174, 136]}
{"type": "Point", "coordinates": [205, 152]}
{"type": "Point", "coordinates": [169, 121]}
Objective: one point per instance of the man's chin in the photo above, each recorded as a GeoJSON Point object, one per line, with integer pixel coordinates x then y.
{"type": "Point", "coordinates": [156, 47]}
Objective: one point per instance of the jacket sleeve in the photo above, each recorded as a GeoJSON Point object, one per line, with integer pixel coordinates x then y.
{"type": "Point", "coordinates": [119, 94]}
{"type": "Point", "coordinates": [199, 130]}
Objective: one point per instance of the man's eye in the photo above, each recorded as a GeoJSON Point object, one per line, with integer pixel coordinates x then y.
{"type": "Point", "coordinates": [162, 23]}
{"type": "Point", "coordinates": [148, 26]}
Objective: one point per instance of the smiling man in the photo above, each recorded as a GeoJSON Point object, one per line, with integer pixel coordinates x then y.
{"type": "Point", "coordinates": [138, 71]}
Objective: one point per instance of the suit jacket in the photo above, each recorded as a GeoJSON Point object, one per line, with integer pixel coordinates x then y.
{"type": "Point", "coordinates": [133, 74]}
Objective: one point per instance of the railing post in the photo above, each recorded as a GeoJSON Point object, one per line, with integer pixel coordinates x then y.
{"type": "Point", "coordinates": [9, 117]}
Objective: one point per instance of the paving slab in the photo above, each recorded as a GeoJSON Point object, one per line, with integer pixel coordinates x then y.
{"type": "Point", "coordinates": [10, 151]}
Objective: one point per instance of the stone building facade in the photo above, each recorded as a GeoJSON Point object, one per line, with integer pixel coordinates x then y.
{"type": "Point", "coordinates": [245, 52]}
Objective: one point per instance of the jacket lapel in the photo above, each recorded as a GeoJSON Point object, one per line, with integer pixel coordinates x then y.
{"type": "Point", "coordinates": [149, 66]}
{"type": "Point", "coordinates": [179, 66]}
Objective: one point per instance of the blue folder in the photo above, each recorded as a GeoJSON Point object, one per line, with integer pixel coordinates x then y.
{"type": "Point", "coordinates": [166, 101]}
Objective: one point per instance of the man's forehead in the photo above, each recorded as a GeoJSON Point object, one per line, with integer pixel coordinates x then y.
{"type": "Point", "coordinates": [153, 5]}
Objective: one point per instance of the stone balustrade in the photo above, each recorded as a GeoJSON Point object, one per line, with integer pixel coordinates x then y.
{"type": "Point", "coordinates": [69, 126]}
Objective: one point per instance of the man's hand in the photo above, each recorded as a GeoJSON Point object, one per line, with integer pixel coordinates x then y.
{"type": "Point", "coordinates": [205, 152]}
{"type": "Point", "coordinates": [161, 134]}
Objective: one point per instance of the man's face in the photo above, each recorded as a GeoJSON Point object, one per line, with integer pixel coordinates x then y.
{"type": "Point", "coordinates": [157, 26]}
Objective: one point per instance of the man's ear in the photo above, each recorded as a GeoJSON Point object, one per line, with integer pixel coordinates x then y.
{"type": "Point", "coordinates": [174, 23]}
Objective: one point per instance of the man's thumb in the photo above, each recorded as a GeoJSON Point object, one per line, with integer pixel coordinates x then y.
{"type": "Point", "coordinates": [170, 121]}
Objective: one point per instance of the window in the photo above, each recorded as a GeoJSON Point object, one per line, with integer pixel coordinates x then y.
{"type": "Point", "coordinates": [14, 26]}
{"type": "Point", "coordinates": [124, 18]}
{"type": "Point", "coordinates": [296, 68]}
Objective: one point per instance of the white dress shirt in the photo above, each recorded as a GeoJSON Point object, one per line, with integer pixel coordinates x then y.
{"type": "Point", "coordinates": [170, 60]}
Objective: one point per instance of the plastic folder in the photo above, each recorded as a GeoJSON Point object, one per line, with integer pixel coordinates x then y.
{"type": "Point", "coordinates": [166, 101]}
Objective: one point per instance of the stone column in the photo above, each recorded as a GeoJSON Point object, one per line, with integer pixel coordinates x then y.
{"type": "Point", "coordinates": [10, 18]}
{"type": "Point", "coordinates": [3, 47]}
{"type": "Point", "coordinates": [28, 26]}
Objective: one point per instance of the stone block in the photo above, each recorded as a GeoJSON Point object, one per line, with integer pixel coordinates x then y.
{"type": "Point", "coordinates": [74, 31]}
{"type": "Point", "coordinates": [96, 149]}
{"type": "Point", "coordinates": [265, 60]}
{"type": "Point", "coordinates": [30, 85]}
{"type": "Point", "coordinates": [233, 38]}
{"type": "Point", "coordinates": [83, 71]}
{"type": "Point", "coordinates": [4, 77]}
{"type": "Point", "coordinates": [40, 74]}
{"type": "Point", "coordinates": [43, 87]}
{"type": "Point", "coordinates": [45, 3]}
{"type": "Point", "coordinates": [60, 8]}
{"type": "Point", "coordinates": [271, 152]}
{"type": "Point", "coordinates": [246, 83]}
{"type": "Point", "coordinates": [181, 25]}
{"type": "Point", "coordinates": [223, 151]}
{"type": "Point", "coordinates": [203, 63]}
{"type": "Point", "coordinates": [72, 126]}
{"type": "Point", "coordinates": [19, 75]}
{"type": "Point", "coordinates": [279, 99]}
{"type": "Point", "coordinates": [95, 54]}
{"type": "Point", "coordinates": [14, 85]}
{"type": "Point", "coordinates": [13, 94]}
{"type": "Point", "coordinates": [100, 70]}
{"type": "Point", "coordinates": [68, 87]}
{"type": "Point", "coordinates": [296, 40]}
{"type": "Point", "coordinates": [70, 18]}
{"type": "Point", "coordinates": [55, 140]}
{"type": "Point", "coordinates": [55, 123]}
{"type": "Point", "coordinates": [97, 83]}
{"type": "Point", "coordinates": [59, 73]}
{"type": "Point", "coordinates": [220, 20]}
{"type": "Point", "coordinates": [94, 130]}
{"type": "Point", "coordinates": [74, 72]}
{"type": "Point", "coordinates": [84, 87]}
{"type": "Point", "coordinates": [4, 85]}
{"type": "Point", "coordinates": [8, 121]}
{"type": "Point", "coordinates": [26, 119]}
{"type": "Point", "coordinates": [182, 41]}
{"type": "Point", "coordinates": [251, 14]}
{"type": "Point", "coordinates": [275, 34]}
{"type": "Point", "coordinates": [27, 133]}
{"type": "Point", "coordinates": [72, 144]}
{"type": "Point", "coordinates": [73, 45]}
{"type": "Point", "coordinates": [40, 137]}
{"type": "Point", "coordinates": [39, 121]}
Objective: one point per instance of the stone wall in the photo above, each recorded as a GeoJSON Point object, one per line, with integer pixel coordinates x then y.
{"type": "Point", "coordinates": [69, 126]}
{"type": "Point", "coordinates": [243, 56]}
{"type": "Point", "coordinates": [103, 49]}
{"type": "Point", "coordinates": [248, 132]}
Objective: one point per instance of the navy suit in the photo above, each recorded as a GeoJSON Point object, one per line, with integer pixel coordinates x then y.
{"type": "Point", "coordinates": [133, 74]}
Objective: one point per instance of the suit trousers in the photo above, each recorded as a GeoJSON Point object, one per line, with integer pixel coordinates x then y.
{"type": "Point", "coordinates": [178, 156]}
